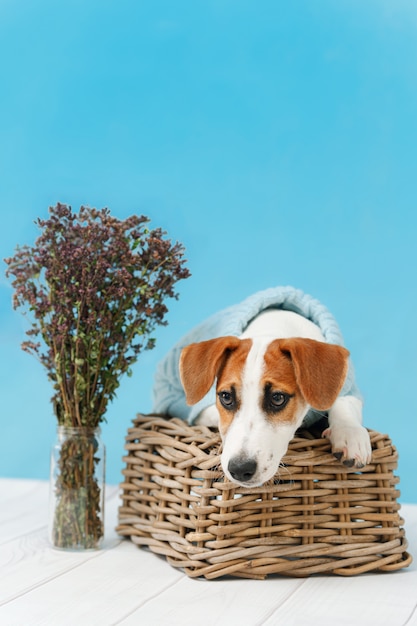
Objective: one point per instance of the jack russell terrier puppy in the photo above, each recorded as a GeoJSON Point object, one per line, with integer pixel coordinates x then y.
{"type": "Point", "coordinates": [267, 381]}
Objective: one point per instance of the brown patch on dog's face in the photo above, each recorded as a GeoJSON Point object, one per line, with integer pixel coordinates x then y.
{"type": "Point", "coordinates": [200, 363]}
{"type": "Point", "coordinates": [282, 399]}
{"type": "Point", "coordinates": [319, 368]}
{"type": "Point", "coordinates": [229, 384]}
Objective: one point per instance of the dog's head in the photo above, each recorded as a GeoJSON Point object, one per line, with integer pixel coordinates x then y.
{"type": "Point", "coordinates": [264, 389]}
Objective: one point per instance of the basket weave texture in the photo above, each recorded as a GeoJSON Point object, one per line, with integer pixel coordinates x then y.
{"type": "Point", "coordinates": [318, 518]}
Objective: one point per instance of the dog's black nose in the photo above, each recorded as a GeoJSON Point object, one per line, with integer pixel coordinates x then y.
{"type": "Point", "coordinates": [242, 470]}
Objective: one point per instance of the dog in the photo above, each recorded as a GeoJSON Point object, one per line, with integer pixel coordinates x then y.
{"type": "Point", "coordinates": [267, 380]}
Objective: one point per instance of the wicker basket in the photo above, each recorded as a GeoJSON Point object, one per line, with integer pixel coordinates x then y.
{"type": "Point", "coordinates": [320, 518]}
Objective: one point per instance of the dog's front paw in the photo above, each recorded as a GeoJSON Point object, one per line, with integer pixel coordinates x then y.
{"type": "Point", "coordinates": [350, 444]}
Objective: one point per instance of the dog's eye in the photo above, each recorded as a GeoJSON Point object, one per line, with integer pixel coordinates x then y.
{"type": "Point", "coordinates": [227, 399]}
{"type": "Point", "coordinates": [278, 400]}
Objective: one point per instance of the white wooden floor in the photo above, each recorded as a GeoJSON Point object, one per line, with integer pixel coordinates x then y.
{"type": "Point", "coordinates": [123, 584]}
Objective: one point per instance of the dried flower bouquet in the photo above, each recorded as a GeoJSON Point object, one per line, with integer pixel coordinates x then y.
{"type": "Point", "coordinates": [94, 287]}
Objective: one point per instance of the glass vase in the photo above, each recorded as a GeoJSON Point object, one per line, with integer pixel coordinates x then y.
{"type": "Point", "coordinates": [77, 486]}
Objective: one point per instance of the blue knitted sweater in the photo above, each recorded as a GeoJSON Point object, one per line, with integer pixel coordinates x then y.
{"type": "Point", "coordinates": [169, 396]}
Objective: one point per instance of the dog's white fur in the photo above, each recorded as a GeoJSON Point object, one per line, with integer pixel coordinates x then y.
{"type": "Point", "coordinates": [252, 436]}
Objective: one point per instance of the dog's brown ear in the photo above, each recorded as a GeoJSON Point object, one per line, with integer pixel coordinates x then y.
{"type": "Point", "coordinates": [320, 369]}
{"type": "Point", "coordinates": [200, 364]}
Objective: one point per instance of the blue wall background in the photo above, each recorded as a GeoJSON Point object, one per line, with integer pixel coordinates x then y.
{"type": "Point", "coordinates": [277, 141]}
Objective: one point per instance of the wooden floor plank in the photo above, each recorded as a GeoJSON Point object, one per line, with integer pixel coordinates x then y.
{"type": "Point", "coordinates": [215, 603]}
{"type": "Point", "coordinates": [101, 590]}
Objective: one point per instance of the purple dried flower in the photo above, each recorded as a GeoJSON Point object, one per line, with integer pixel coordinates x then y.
{"type": "Point", "coordinates": [94, 286]}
